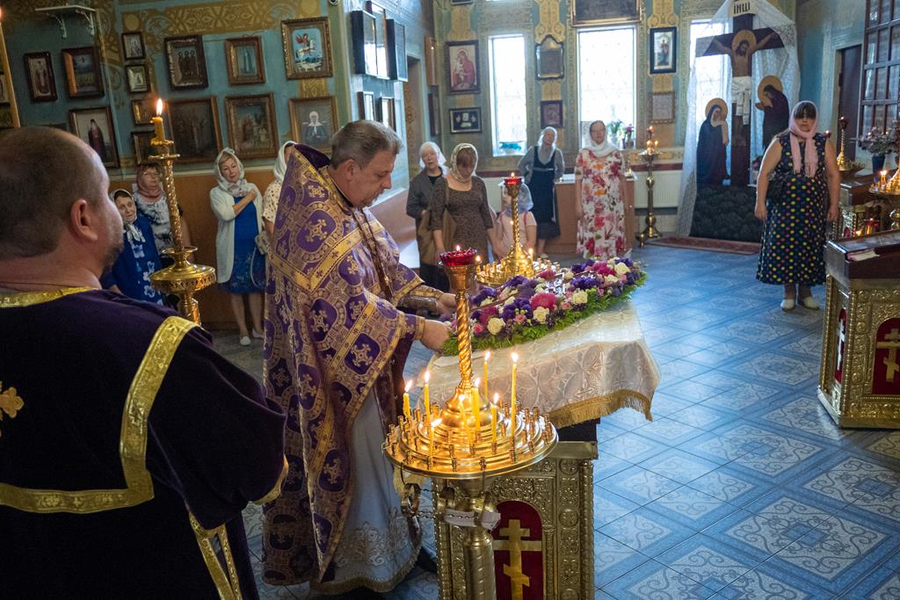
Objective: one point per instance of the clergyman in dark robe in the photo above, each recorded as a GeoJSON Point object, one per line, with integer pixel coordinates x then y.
{"type": "Point", "coordinates": [711, 169]}
{"type": "Point", "coordinates": [775, 115]}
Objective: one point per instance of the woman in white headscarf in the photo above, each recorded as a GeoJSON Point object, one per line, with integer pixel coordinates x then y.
{"type": "Point", "coordinates": [273, 192]}
{"type": "Point", "coordinates": [541, 167]}
{"type": "Point", "coordinates": [421, 190]}
{"type": "Point", "coordinates": [463, 195]}
{"type": "Point", "coordinates": [240, 266]}
{"type": "Point", "coordinates": [599, 195]}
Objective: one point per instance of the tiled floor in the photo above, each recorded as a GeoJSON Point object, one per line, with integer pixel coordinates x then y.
{"type": "Point", "coordinates": [741, 487]}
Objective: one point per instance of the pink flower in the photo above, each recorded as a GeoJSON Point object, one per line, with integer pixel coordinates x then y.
{"type": "Point", "coordinates": [546, 299]}
{"type": "Point", "coordinates": [520, 318]}
{"type": "Point", "coordinates": [478, 328]}
{"type": "Point", "coordinates": [486, 314]}
{"type": "Point", "coordinates": [547, 274]}
{"type": "Point", "coordinates": [565, 305]}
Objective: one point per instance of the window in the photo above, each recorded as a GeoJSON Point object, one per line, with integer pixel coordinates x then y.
{"type": "Point", "coordinates": [606, 75]}
{"type": "Point", "coordinates": [711, 79]}
{"type": "Point", "coordinates": [509, 115]}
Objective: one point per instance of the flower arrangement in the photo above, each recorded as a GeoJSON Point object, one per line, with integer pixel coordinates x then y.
{"type": "Point", "coordinates": [524, 309]}
{"type": "Point", "coordinates": [878, 142]}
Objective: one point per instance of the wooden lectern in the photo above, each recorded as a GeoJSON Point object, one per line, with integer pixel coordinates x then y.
{"type": "Point", "coordinates": [859, 378]}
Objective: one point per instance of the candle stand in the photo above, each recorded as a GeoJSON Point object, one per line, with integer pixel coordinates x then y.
{"type": "Point", "coordinates": [648, 156]}
{"type": "Point", "coordinates": [182, 278]}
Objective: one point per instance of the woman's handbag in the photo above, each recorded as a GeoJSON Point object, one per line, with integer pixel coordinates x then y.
{"type": "Point", "coordinates": [262, 242]}
{"type": "Point", "coordinates": [425, 237]}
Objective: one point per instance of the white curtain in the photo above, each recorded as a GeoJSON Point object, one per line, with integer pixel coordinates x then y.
{"type": "Point", "coordinates": [705, 75]}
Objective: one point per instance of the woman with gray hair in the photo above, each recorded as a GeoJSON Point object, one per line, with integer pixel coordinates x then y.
{"type": "Point", "coordinates": [541, 167]}
{"type": "Point", "coordinates": [421, 190]}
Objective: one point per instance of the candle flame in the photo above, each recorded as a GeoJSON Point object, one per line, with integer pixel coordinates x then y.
{"type": "Point", "coordinates": [436, 422]}
{"type": "Point", "coordinates": [427, 376]}
{"type": "Point", "coordinates": [408, 385]}
{"type": "Point", "coordinates": [478, 258]}
{"type": "Point", "coordinates": [515, 357]}
{"type": "Point", "coordinates": [487, 356]}
{"type": "Point", "coordinates": [159, 105]}
{"type": "Point", "coordinates": [477, 381]}
{"type": "Point", "coordinates": [883, 173]}
{"type": "Point", "coordinates": [496, 398]}
{"type": "Point", "coordinates": [458, 248]}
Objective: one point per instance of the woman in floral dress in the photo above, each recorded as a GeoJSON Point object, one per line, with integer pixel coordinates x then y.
{"type": "Point", "coordinates": [599, 189]}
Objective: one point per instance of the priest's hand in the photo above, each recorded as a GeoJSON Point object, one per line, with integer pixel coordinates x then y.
{"type": "Point", "coordinates": [435, 334]}
{"type": "Point", "coordinates": [447, 303]}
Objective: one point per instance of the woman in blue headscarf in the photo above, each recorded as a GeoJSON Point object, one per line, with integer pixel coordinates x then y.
{"type": "Point", "coordinates": [503, 222]}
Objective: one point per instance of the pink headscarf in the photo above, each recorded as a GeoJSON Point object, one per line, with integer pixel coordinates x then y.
{"type": "Point", "coordinates": [811, 157]}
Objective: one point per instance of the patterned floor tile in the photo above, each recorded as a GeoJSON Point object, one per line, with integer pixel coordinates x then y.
{"type": "Point", "coordinates": [707, 562]}
{"type": "Point", "coordinates": [755, 585]}
{"type": "Point", "coordinates": [703, 417]}
{"type": "Point", "coordinates": [608, 465]}
{"type": "Point", "coordinates": [419, 585]}
{"type": "Point", "coordinates": [609, 506]}
{"type": "Point", "coordinates": [810, 345]}
{"type": "Point", "coordinates": [639, 485]}
{"type": "Point", "coordinates": [753, 330]}
{"type": "Point", "coordinates": [778, 368]}
{"type": "Point", "coordinates": [882, 583]}
{"type": "Point", "coordinates": [668, 431]}
{"type": "Point", "coordinates": [681, 368]}
{"type": "Point", "coordinates": [646, 531]}
{"type": "Point", "coordinates": [888, 445]}
{"type": "Point", "coordinates": [679, 465]}
{"type": "Point", "coordinates": [868, 486]}
{"type": "Point", "coordinates": [717, 379]}
{"type": "Point", "coordinates": [674, 349]}
{"type": "Point", "coordinates": [731, 486]}
{"type": "Point", "coordinates": [692, 391]}
{"type": "Point", "coordinates": [754, 534]}
{"type": "Point", "coordinates": [625, 420]}
{"type": "Point", "coordinates": [654, 581]}
{"type": "Point", "coordinates": [612, 559]}
{"type": "Point", "coordinates": [808, 415]}
{"type": "Point", "coordinates": [835, 553]}
{"type": "Point", "coordinates": [632, 447]}
{"type": "Point", "coordinates": [691, 508]}
{"type": "Point", "coordinates": [775, 455]}
{"type": "Point", "coordinates": [664, 404]}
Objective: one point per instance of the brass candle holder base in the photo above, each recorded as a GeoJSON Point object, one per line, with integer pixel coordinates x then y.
{"type": "Point", "coordinates": [470, 442]}
{"type": "Point", "coordinates": [650, 231]}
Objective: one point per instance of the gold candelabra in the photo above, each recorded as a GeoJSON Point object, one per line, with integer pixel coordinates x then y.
{"type": "Point", "coordinates": [888, 190]}
{"type": "Point", "coordinates": [468, 442]}
{"type": "Point", "coordinates": [182, 278]}
{"type": "Point", "coordinates": [648, 156]}
{"type": "Point", "coordinates": [847, 167]}
{"type": "Point", "coordinates": [517, 261]}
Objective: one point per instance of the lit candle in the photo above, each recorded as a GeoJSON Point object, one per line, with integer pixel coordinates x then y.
{"type": "Point", "coordinates": [494, 418]}
{"type": "Point", "coordinates": [458, 248]}
{"type": "Point", "coordinates": [883, 178]}
{"type": "Point", "coordinates": [425, 398]}
{"type": "Point", "coordinates": [476, 408]}
{"type": "Point", "coordinates": [512, 401]}
{"type": "Point", "coordinates": [406, 400]}
{"type": "Point", "coordinates": [487, 356]}
{"type": "Point", "coordinates": [159, 131]}
{"type": "Point", "coordinates": [827, 134]}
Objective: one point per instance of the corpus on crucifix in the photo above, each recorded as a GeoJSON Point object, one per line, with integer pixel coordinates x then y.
{"type": "Point", "coordinates": [740, 45]}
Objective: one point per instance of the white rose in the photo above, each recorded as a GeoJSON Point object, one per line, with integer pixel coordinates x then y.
{"type": "Point", "coordinates": [540, 314]}
{"type": "Point", "coordinates": [580, 297]}
{"type": "Point", "coordinates": [495, 325]}
{"type": "Point", "coordinates": [611, 279]}
{"type": "Point", "coordinates": [622, 269]}
{"type": "Point", "coordinates": [509, 300]}
{"type": "Point", "coordinates": [486, 301]}
{"type": "Point", "coordinates": [540, 289]}
{"type": "Point", "coordinates": [568, 275]}
{"type": "Point", "coordinates": [611, 262]}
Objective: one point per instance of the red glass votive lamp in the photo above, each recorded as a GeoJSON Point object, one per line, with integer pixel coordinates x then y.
{"type": "Point", "coordinates": [458, 258]}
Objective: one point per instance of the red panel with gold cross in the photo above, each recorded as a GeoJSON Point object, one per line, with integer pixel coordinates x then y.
{"type": "Point", "coordinates": [519, 552]}
{"type": "Point", "coordinates": [886, 370]}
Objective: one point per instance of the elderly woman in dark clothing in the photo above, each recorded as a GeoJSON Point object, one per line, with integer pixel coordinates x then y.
{"type": "Point", "coordinates": [463, 195]}
{"type": "Point", "coordinates": [421, 190]}
{"type": "Point", "coordinates": [541, 167]}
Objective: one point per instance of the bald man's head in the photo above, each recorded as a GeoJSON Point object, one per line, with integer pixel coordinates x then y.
{"type": "Point", "coordinates": [43, 171]}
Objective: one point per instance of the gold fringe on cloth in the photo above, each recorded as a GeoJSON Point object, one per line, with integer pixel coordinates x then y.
{"type": "Point", "coordinates": [601, 406]}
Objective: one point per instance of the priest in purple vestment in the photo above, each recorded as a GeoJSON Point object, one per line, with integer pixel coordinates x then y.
{"type": "Point", "coordinates": [128, 446]}
{"type": "Point", "coordinates": [335, 346]}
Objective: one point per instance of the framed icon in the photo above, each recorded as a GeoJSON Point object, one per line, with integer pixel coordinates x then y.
{"type": "Point", "coordinates": [313, 121]}
{"type": "Point", "coordinates": [252, 127]}
{"type": "Point", "coordinates": [186, 62]}
{"type": "Point", "coordinates": [462, 67]}
{"type": "Point", "coordinates": [662, 107]}
{"type": "Point", "coordinates": [550, 59]}
{"type": "Point", "coordinates": [604, 12]}
{"type": "Point", "coordinates": [244, 61]}
{"type": "Point", "coordinates": [83, 72]}
{"type": "Point", "coordinates": [143, 110]}
{"type": "Point", "coordinates": [465, 120]}
{"type": "Point", "coordinates": [551, 113]}
{"type": "Point", "coordinates": [365, 55]}
{"type": "Point", "coordinates": [137, 78]}
{"type": "Point", "coordinates": [307, 48]}
{"type": "Point", "coordinates": [194, 126]}
{"type": "Point", "coordinates": [39, 72]}
{"type": "Point", "coordinates": [366, 105]}
{"type": "Point", "coordinates": [143, 149]}
{"type": "Point", "coordinates": [133, 45]}
{"type": "Point", "coordinates": [663, 50]}
{"type": "Point", "coordinates": [94, 127]}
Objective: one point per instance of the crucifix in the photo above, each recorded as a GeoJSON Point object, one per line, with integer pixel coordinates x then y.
{"type": "Point", "coordinates": [740, 45]}
{"type": "Point", "coordinates": [516, 545]}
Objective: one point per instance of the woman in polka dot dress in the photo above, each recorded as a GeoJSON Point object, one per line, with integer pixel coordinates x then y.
{"type": "Point", "coordinates": [794, 203]}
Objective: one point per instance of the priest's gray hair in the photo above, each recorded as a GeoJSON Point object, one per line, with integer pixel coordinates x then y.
{"type": "Point", "coordinates": [43, 171]}
{"type": "Point", "coordinates": [361, 141]}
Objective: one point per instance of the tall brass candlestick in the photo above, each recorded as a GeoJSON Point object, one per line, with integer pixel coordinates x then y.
{"type": "Point", "coordinates": [648, 156]}
{"type": "Point", "coordinates": [182, 278]}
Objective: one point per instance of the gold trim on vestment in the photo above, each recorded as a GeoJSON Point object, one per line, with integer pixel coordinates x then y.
{"type": "Point", "coordinates": [31, 298]}
{"type": "Point", "coordinates": [324, 268]}
{"type": "Point", "coordinates": [380, 587]}
{"type": "Point", "coordinates": [227, 585]}
{"type": "Point", "coordinates": [132, 440]}
{"type": "Point", "coordinates": [276, 489]}
{"type": "Point", "coordinates": [601, 406]}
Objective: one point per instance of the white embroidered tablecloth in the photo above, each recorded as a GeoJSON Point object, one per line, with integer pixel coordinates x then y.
{"type": "Point", "coordinates": [583, 372]}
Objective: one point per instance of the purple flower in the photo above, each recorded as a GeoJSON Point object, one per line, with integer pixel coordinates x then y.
{"type": "Point", "coordinates": [483, 294]}
{"type": "Point", "coordinates": [585, 283]}
{"type": "Point", "coordinates": [511, 309]}
{"type": "Point", "coordinates": [515, 281]}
